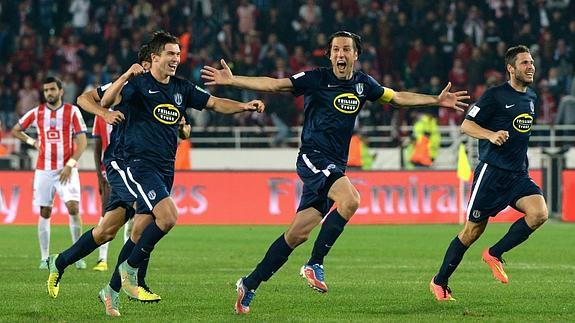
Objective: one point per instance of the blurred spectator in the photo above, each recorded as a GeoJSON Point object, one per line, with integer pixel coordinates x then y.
{"type": "Point", "coordinates": [246, 14]}
{"type": "Point", "coordinates": [566, 114]}
{"type": "Point", "coordinates": [547, 104]}
{"type": "Point", "coordinates": [28, 97]}
{"type": "Point", "coordinates": [80, 18]}
{"type": "Point", "coordinates": [310, 12]}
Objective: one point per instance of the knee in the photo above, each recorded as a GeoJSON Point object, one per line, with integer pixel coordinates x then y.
{"type": "Point", "coordinates": [167, 223]}
{"type": "Point", "coordinates": [102, 235]}
{"type": "Point", "coordinates": [45, 212]}
{"type": "Point", "coordinates": [468, 237]}
{"type": "Point", "coordinates": [536, 219]}
{"type": "Point", "coordinates": [295, 238]}
{"type": "Point", "coordinates": [348, 206]}
{"type": "Point", "coordinates": [73, 209]}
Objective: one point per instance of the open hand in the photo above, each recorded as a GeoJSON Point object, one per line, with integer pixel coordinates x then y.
{"type": "Point", "coordinates": [453, 100]}
{"type": "Point", "coordinates": [213, 76]}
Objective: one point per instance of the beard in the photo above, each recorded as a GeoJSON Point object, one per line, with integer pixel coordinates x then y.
{"type": "Point", "coordinates": [52, 100]}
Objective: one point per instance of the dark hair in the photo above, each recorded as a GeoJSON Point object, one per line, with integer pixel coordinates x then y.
{"type": "Point", "coordinates": [356, 40]}
{"type": "Point", "coordinates": [159, 40]}
{"type": "Point", "coordinates": [511, 55]}
{"type": "Point", "coordinates": [53, 79]}
{"type": "Point", "coordinates": [144, 54]}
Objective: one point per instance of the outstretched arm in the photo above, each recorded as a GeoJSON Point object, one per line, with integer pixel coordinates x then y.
{"type": "Point", "coordinates": [445, 99]}
{"type": "Point", "coordinates": [474, 130]}
{"type": "Point", "coordinates": [224, 76]}
{"type": "Point", "coordinates": [116, 88]}
{"type": "Point", "coordinates": [227, 106]}
{"type": "Point", "coordinates": [90, 102]}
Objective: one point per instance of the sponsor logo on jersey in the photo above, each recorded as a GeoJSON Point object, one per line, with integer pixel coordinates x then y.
{"type": "Point", "coordinates": [346, 103]}
{"type": "Point", "coordinates": [523, 122]}
{"type": "Point", "coordinates": [166, 114]}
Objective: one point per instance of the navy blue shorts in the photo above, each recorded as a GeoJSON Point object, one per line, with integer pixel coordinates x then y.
{"type": "Point", "coordinates": [122, 194]}
{"type": "Point", "coordinates": [494, 189]}
{"type": "Point", "coordinates": [151, 185]}
{"type": "Point", "coordinates": [317, 173]}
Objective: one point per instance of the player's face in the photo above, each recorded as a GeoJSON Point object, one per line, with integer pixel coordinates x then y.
{"type": "Point", "coordinates": [168, 60]}
{"type": "Point", "coordinates": [342, 56]}
{"type": "Point", "coordinates": [524, 70]}
{"type": "Point", "coordinates": [52, 93]}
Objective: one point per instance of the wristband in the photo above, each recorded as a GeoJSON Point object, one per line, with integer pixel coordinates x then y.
{"type": "Point", "coordinates": [31, 142]}
{"type": "Point", "coordinates": [71, 162]}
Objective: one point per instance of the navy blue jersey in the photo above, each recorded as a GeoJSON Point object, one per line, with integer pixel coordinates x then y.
{"type": "Point", "coordinates": [504, 108]}
{"type": "Point", "coordinates": [114, 150]}
{"type": "Point", "coordinates": [331, 107]}
{"type": "Point", "coordinates": [154, 112]}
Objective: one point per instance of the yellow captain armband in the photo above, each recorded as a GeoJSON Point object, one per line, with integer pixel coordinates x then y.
{"type": "Point", "coordinates": [387, 95]}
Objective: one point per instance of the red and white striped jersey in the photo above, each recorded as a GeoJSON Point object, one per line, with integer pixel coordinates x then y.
{"type": "Point", "coordinates": [102, 129]}
{"type": "Point", "coordinates": [56, 129]}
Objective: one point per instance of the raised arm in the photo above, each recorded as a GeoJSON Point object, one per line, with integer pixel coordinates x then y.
{"type": "Point", "coordinates": [445, 99]}
{"type": "Point", "coordinates": [471, 128]}
{"type": "Point", "coordinates": [224, 76]}
{"type": "Point", "coordinates": [227, 106]}
{"type": "Point", "coordinates": [90, 102]}
{"type": "Point", "coordinates": [116, 87]}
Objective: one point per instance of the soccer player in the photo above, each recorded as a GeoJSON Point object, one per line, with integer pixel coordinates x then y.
{"type": "Point", "coordinates": [155, 103]}
{"type": "Point", "coordinates": [333, 97]}
{"type": "Point", "coordinates": [501, 120]}
{"type": "Point", "coordinates": [59, 125]}
{"type": "Point", "coordinates": [119, 207]}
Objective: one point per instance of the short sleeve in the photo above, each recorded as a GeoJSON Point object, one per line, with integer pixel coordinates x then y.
{"type": "Point", "coordinates": [375, 91]}
{"type": "Point", "coordinates": [102, 89]}
{"type": "Point", "coordinates": [78, 123]}
{"type": "Point", "coordinates": [483, 109]}
{"type": "Point", "coordinates": [196, 98]}
{"type": "Point", "coordinates": [97, 130]}
{"type": "Point", "coordinates": [305, 81]}
{"type": "Point", "coordinates": [28, 119]}
{"type": "Point", "coordinates": [128, 91]}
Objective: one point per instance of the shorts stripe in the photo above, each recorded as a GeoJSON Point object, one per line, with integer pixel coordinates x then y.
{"type": "Point", "coordinates": [123, 175]}
{"type": "Point", "coordinates": [475, 189]}
{"type": "Point", "coordinates": [312, 167]}
{"type": "Point", "coordinates": [140, 189]}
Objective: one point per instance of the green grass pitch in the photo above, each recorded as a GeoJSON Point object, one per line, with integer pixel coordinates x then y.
{"type": "Point", "coordinates": [375, 274]}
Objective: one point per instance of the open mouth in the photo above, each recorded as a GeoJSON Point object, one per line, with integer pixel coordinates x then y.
{"type": "Point", "coordinates": [341, 65]}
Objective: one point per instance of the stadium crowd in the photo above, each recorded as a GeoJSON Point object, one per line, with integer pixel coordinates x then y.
{"type": "Point", "coordinates": [413, 45]}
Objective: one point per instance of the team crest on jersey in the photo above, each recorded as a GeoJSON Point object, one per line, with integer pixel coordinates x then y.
{"type": "Point", "coordinates": [178, 98]}
{"type": "Point", "coordinates": [359, 88]}
{"type": "Point", "coordinates": [346, 103]}
{"type": "Point", "coordinates": [523, 122]}
{"type": "Point", "coordinates": [532, 107]}
{"type": "Point", "coordinates": [152, 195]}
{"type": "Point", "coordinates": [166, 114]}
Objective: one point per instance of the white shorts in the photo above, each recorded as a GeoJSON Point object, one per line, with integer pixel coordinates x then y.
{"type": "Point", "coordinates": [46, 183]}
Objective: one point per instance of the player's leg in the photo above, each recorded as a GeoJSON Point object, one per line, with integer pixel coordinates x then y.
{"type": "Point", "coordinates": [453, 256]}
{"type": "Point", "coordinates": [44, 235]}
{"type": "Point", "coordinates": [536, 214]}
{"type": "Point", "coordinates": [276, 255]}
{"type": "Point", "coordinates": [44, 192]}
{"type": "Point", "coordinates": [70, 193]}
{"type": "Point", "coordinates": [346, 197]}
{"type": "Point", "coordinates": [145, 294]}
{"type": "Point", "coordinates": [525, 197]}
{"type": "Point", "coordinates": [104, 188]}
{"type": "Point", "coordinates": [86, 244]}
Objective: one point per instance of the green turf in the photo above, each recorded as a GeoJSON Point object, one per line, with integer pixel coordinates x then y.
{"type": "Point", "coordinates": [375, 273]}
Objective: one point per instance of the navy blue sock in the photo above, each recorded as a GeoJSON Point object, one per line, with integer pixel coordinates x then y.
{"type": "Point", "coordinates": [83, 247]}
{"type": "Point", "coordinates": [151, 235]}
{"type": "Point", "coordinates": [453, 257]}
{"type": "Point", "coordinates": [518, 232]}
{"type": "Point", "coordinates": [276, 256]}
{"type": "Point", "coordinates": [330, 230]}
{"type": "Point", "coordinates": [142, 271]}
{"type": "Point", "coordinates": [116, 282]}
